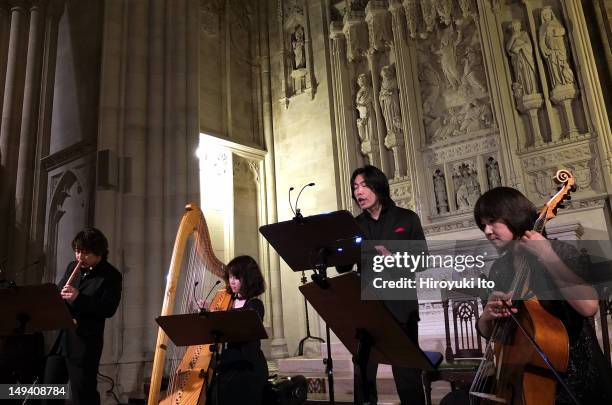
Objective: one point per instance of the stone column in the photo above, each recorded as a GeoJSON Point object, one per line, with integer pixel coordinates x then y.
{"type": "Point", "coordinates": [27, 139]}
{"type": "Point", "coordinates": [134, 236]}
{"type": "Point", "coordinates": [278, 345]}
{"type": "Point", "coordinates": [346, 137]}
{"type": "Point", "coordinates": [11, 111]}
{"type": "Point", "coordinates": [493, 51]}
{"type": "Point", "coordinates": [404, 74]}
{"type": "Point", "coordinates": [5, 25]}
{"type": "Point", "coordinates": [53, 11]}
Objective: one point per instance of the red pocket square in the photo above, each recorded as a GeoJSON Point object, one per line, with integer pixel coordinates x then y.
{"type": "Point", "coordinates": [400, 229]}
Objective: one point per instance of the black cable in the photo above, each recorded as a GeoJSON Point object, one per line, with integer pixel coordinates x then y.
{"type": "Point", "coordinates": [111, 389]}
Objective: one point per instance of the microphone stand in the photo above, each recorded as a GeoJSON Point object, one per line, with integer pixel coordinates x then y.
{"type": "Point", "coordinates": [308, 334]}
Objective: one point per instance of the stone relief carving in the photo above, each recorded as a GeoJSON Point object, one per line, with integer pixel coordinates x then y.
{"type": "Point", "coordinates": [473, 73]}
{"type": "Point", "coordinates": [366, 121]}
{"type": "Point", "coordinates": [552, 45]}
{"type": "Point", "coordinates": [467, 188]}
{"type": "Point", "coordinates": [520, 49]}
{"type": "Point", "coordinates": [401, 193]}
{"type": "Point", "coordinates": [440, 193]}
{"type": "Point", "coordinates": [469, 148]}
{"type": "Point", "coordinates": [447, 50]}
{"type": "Point", "coordinates": [580, 159]}
{"type": "Point", "coordinates": [493, 175]}
{"type": "Point", "coordinates": [452, 81]}
{"type": "Point", "coordinates": [457, 121]}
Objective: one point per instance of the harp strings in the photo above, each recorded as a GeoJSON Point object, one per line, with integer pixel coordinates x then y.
{"type": "Point", "coordinates": [198, 278]}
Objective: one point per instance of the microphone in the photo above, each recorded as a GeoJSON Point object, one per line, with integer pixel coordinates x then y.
{"type": "Point", "coordinates": [202, 310]}
{"type": "Point", "coordinates": [290, 190]}
{"type": "Point", "coordinates": [298, 214]}
{"type": "Point", "coordinates": [193, 295]}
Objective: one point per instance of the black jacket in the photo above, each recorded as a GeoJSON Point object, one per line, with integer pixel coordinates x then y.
{"type": "Point", "coordinates": [98, 299]}
{"type": "Point", "coordinates": [394, 223]}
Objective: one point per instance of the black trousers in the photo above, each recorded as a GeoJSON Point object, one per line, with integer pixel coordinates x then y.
{"type": "Point", "coordinates": [408, 381]}
{"type": "Point", "coordinates": [83, 380]}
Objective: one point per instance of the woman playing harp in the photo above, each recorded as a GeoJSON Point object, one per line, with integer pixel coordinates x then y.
{"type": "Point", "coordinates": [243, 371]}
{"type": "Point", "coordinates": [194, 274]}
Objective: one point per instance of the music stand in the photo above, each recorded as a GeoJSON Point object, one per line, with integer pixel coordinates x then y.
{"type": "Point", "coordinates": [31, 309]}
{"type": "Point", "coordinates": [213, 328]}
{"type": "Point", "coordinates": [315, 243]}
{"type": "Point", "coordinates": [373, 336]}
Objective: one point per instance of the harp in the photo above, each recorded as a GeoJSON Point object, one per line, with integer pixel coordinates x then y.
{"type": "Point", "coordinates": [194, 272]}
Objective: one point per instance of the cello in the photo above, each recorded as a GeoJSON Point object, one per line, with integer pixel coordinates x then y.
{"type": "Point", "coordinates": [190, 379]}
{"type": "Point", "coordinates": [526, 351]}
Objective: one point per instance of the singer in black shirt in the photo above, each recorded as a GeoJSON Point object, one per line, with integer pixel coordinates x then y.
{"type": "Point", "coordinates": [91, 297]}
{"type": "Point", "coordinates": [382, 220]}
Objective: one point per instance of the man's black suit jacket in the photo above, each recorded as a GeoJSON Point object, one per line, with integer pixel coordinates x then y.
{"type": "Point", "coordinates": [98, 299]}
{"type": "Point", "coordinates": [393, 224]}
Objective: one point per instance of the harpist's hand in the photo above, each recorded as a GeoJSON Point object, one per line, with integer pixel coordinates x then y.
{"type": "Point", "coordinates": [69, 293]}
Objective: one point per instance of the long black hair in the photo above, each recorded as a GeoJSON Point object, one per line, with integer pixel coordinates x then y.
{"type": "Point", "coordinates": [376, 180]}
{"type": "Point", "coordinates": [246, 269]}
{"type": "Point", "coordinates": [508, 205]}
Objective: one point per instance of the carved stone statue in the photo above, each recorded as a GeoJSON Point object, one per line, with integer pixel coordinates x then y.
{"type": "Point", "coordinates": [468, 189]}
{"type": "Point", "coordinates": [462, 197]}
{"type": "Point", "coordinates": [448, 55]}
{"type": "Point", "coordinates": [552, 45]}
{"type": "Point", "coordinates": [389, 101]}
{"type": "Point", "coordinates": [440, 192]}
{"type": "Point", "coordinates": [521, 56]}
{"type": "Point", "coordinates": [444, 9]}
{"type": "Point", "coordinates": [493, 173]}
{"type": "Point", "coordinates": [429, 14]}
{"type": "Point", "coordinates": [473, 72]}
{"type": "Point", "coordinates": [412, 11]}
{"type": "Point", "coordinates": [466, 8]}
{"type": "Point", "coordinates": [297, 44]}
{"type": "Point", "coordinates": [364, 104]}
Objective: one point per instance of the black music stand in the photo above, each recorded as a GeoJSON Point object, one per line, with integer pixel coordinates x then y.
{"type": "Point", "coordinates": [373, 336]}
{"type": "Point", "coordinates": [213, 328]}
{"type": "Point", "coordinates": [31, 309]}
{"type": "Point", "coordinates": [315, 243]}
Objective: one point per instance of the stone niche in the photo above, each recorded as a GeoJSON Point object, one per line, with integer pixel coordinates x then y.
{"type": "Point", "coordinates": [296, 53]}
